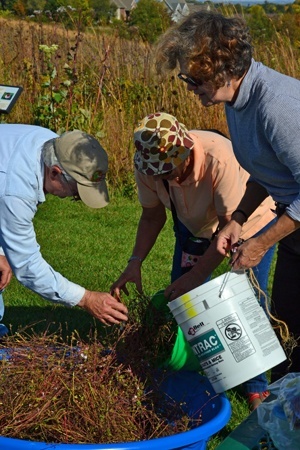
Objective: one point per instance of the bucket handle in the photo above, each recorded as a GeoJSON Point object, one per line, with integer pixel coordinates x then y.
{"type": "Point", "coordinates": [226, 278]}
{"type": "Point", "coordinates": [222, 287]}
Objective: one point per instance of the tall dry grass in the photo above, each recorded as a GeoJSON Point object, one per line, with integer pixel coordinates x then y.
{"type": "Point", "coordinates": [115, 85]}
{"type": "Point", "coordinates": [110, 84]}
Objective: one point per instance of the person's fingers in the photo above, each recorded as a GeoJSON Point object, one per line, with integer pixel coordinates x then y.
{"type": "Point", "coordinates": [114, 317]}
{"type": "Point", "coordinates": [115, 292]}
{"type": "Point", "coordinates": [172, 295]}
{"type": "Point", "coordinates": [139, 287]}
{"type": "Point", "coordinates": [5, 278]}
{"type": "Point", "coordinates": [173, 292]}
{"type": "Point", "coordinates": [125, 290]}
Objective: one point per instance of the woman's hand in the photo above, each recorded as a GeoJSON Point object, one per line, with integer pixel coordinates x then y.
{"type": "Point", "coordinates": [247, 255]}
{"type": "Point", "coordinates": [132, 274]}
{"type": "Point", "coordinates": [228, 237]}
{"type": "Point", "coordinates": [201, 271]}
{"type": "Point", "coordinates": [184, 284]}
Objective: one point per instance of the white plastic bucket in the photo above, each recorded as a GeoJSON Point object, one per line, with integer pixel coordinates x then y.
{"type": "Point", "coordinates": [228, 330]}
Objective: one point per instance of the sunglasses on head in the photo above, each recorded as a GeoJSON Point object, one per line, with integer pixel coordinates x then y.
{"type": "Point", "coordinates": [188, 80]}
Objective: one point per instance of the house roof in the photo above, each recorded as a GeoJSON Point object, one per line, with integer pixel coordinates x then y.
{"type": "Point", "coordinates": [126, 4]}
{"type": "Point", "coordinates": [201, 7]}
{"type": "Point", "coordinates": [174, 3]}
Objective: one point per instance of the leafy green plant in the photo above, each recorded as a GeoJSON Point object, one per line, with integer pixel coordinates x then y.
{"type": "Point", "coordinates": [56, 106]}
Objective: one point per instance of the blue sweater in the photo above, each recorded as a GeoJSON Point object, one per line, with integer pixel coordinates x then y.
{"type": "Point", "coordinates": [264, 125]}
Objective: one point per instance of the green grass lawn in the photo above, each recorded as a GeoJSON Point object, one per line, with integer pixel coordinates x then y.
{"type": "Point", "coordinates": [91, 248]}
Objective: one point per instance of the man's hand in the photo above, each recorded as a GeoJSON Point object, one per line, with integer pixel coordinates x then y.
{"type": "Point", "coordinates": [5, 272]}
{"type": "Point", "coordinates": [104, 307]}
{"type": "Point", "coordinates": [132, 274]}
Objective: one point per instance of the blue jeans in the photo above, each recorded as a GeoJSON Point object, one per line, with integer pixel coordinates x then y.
{"type": "Point", "coordinates": [261, 272]}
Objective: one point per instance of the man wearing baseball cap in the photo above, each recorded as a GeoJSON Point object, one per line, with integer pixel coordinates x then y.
{"type": "Point", "coordinates": [35, 161]}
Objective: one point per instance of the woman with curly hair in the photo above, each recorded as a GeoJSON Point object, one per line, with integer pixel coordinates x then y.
{"type": "Point", "coordinates": [214, 56]}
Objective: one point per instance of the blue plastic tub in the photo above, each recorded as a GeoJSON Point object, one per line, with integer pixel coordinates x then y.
{"type": "Point", "coordinates": [187, 387]}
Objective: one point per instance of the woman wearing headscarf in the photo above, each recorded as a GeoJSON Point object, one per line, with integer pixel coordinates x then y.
{"type": "Point", "coordinates": [195, 174]}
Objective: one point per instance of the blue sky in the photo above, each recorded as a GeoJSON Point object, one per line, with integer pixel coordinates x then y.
{"type": "Point", "coordinates": [252, 1]}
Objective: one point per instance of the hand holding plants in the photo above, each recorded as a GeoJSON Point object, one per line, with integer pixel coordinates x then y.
{"type": "Point", "coordinates": [104, 307]}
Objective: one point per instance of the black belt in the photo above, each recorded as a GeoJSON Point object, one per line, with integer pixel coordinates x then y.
{"type": "Point", "coordinates": [280, 208]}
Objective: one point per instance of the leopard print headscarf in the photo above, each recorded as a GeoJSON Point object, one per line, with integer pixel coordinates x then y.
{"type": "Point", "coordinates": [162, 144]}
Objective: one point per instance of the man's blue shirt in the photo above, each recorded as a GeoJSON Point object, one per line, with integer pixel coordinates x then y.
{"type": "Point", "coordinates": [21, 190]}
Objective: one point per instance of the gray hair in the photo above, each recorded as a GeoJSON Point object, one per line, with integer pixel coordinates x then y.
{"type": "Point", "coordinates": [50, 159]}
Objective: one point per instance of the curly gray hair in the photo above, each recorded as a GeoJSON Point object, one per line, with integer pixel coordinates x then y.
{"type": "Point", "coordinates": [211, 46]}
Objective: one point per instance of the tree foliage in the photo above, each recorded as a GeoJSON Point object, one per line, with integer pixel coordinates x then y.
{"type": "Point", "coordinates": [260, 24]}
{"type": "Point", "coordinates": [150, 18]}
{"type": "Point", "coordinates": [104, 11]}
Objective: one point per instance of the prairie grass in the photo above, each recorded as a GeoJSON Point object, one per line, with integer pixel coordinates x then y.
{"type": "Point", "coordinates": [109, 86]}
{"type": "Point", "coordinates": [84, 392]}
{"type": "Point", "coordinates": [104, 85]}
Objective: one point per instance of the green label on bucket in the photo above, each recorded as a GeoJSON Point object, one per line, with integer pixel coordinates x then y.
{"type": "Point", "coordinates": [207, 345]}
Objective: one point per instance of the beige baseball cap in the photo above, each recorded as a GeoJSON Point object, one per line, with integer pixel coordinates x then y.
{"type": "Point", "coordinates": [84, 159]}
